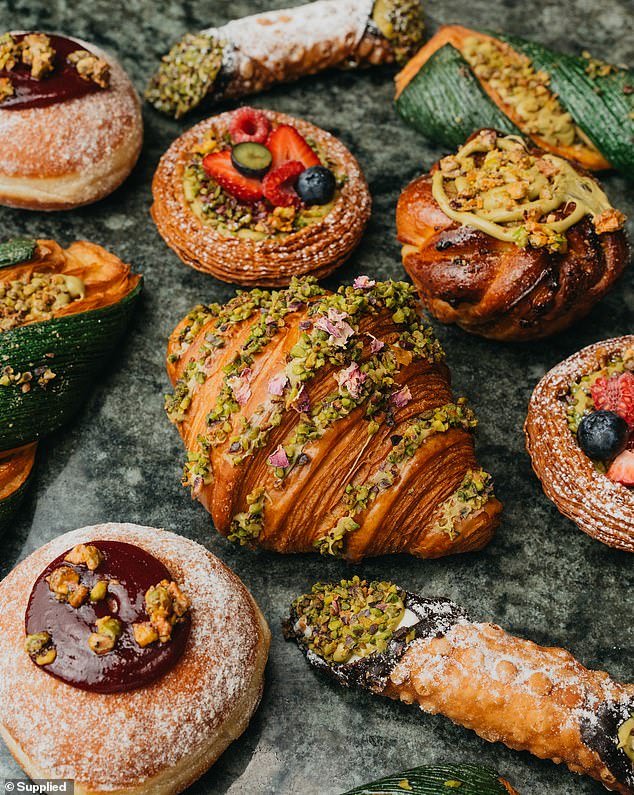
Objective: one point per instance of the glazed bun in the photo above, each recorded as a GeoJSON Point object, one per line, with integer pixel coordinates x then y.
{"type": "Point", "coordinates": [158, 737]}
{"type": "Point", "coordinates": [72, 151]}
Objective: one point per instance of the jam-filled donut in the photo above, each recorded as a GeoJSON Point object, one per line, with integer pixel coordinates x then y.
{"type": "Point", "coordinates": [130, 658]}
{"type": "Point", "coordinates": [70, 122]}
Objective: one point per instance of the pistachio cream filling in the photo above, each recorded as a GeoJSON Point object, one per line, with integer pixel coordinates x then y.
{"type": "Point", "coordinates": [401, 22]}
{"type": "Point", "coordinates": [230, 217]}
{"type": "Point", "coordinates": [495, 184]}
{"type": "Point", "coordinates": [512, 75]}
{"type": "Point", "coordinates": [37, 297]}
{"type": "Point", "coordinates": [580, 396]}
{"type": "Point", "coordinates": [186, 75]}
{"type": "Point", "coordinates": [350, 620]}
{"type": "Point", "coordinates": [626, 737]}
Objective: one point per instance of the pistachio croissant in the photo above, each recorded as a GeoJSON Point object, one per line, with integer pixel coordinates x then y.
{"type": "Point", "coordinates": [319, 420]}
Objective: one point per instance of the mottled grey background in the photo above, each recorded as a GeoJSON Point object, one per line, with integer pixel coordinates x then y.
{"type": "Point", "coordinates": [121, 460]}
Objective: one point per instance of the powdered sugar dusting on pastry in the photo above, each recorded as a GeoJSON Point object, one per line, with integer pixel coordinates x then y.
{"type": "Point", "coordinates": [125, 738]}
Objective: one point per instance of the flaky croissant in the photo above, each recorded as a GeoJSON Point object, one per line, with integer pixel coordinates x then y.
{"type": "Point", "coordinates": [501, 257]}
{"type": "Point", "coordinates": [321, 420]}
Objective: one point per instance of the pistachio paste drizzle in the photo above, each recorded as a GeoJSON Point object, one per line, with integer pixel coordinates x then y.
{"type": "Point", "coordinates": [359, 497]}
{"type": "Point", "coordinates": [512, 75]}
{"type": "Point", "coordinates": [352, 618]}
{"type": "Point", "coordinates": [36, 297]}
{"type": "Point", "coordinates": [495, 184]}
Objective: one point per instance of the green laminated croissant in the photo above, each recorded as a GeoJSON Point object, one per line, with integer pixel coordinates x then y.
{"type": "Point", "coordinates": [463, 80]}
{"type": "Point", "coordinates": [62, 313]}
{"type": "Point", "coordinates": [442, 779]}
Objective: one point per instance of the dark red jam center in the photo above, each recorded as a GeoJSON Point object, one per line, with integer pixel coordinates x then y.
{"type": "Point", "coordinates": [128, 666]}
{"type": "Point", "coordinates": [59, 85]}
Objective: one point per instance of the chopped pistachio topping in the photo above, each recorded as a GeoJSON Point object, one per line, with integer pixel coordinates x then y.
{"type": "Point", "coordinates": [626, 737]}
{"type": "Point", "coordinates": [512, 75]}
{"type": "Point", "coordinates": [39, 646]}
{"type": "Point", "coordinates": [65, 585]}
{"type": "Point", "coordinates": [109, 630]}
{"type": "Point", "coordinates": [36, 297]}
{"type": "Point", "coordinates": [401, 22]}
{"type": "Point", "coordinates": [247, 526]}
{"type": "Point", "coordinates": [91, 67]}
{"type": "Point", "coordinates": [186, 75]}
{"type": "Point", "coordinates": [597, 68]}
{"type": "Point", "coordinates": [166, 605]}
{"type": "Point", "coordinates": [36, 51]}
{"type": "Point", "coordinates": [85, 554]}
{"type": "Point", "coordinates": [475, 490]}
{"type": "Point", "coordinates": [354, 617]}
{"type": "Point", "coordinates": [6, 88]}
{"type": "Point", "coordinates": [359, 497]}
{"type": "Point", "coordinates": [495, 184]}
{"type": "Point", "coordinates": [99, 591]}
{"type": "Point", "coordinates": [9, 52]}
{"type": "Point", "coordinates": [580, 400]}
{"type": "Point", "coordinates": [42, 375]}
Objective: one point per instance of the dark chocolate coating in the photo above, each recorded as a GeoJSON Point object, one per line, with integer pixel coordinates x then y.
{"type": "Point", "coordinates": [437, 616]}
{"type": "Point", "coordinates": [128, 666]}
{"type": "Point", "coordinates": [62, 84]}
{"type": "Point", "coordinates": [601, 735]}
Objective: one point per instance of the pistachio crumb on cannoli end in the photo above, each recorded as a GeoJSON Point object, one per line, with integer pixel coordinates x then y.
{"type": "Point", "coordinates": [402, 24]}
{"type": "Point", "coordinates": [186, 75]}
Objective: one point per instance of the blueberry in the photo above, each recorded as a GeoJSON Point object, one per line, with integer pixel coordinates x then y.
{"type": "Point", "coordinates": [316, 185]}
{"type": "Point", "coordinates": [602, 435]}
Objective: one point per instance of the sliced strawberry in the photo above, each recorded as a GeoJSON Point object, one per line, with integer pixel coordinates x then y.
{"type": "Point", "coordinates": [616, 394]}
{"type": "Point", "coordinates": [285, 144]}
{"type": "Point", "coordinates": [622, 468]}
{"type": "Point", "coordinates": [278, 184]}
{"type": "Point", "coordinates": [219, 167]}
{"type": "Point", "coordinates": [249, 124]}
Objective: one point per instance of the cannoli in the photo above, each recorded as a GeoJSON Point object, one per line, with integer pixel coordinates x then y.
{"type": "Point", "coordinates": [439, 780]}
{"type": "Point", "coordinates": [256, 197]}
{"type": "Point", "coordinates": [580, 437]}
{"type": "Point", "coordinates": [325, 421]}
{"type": "Point", "coordinates": [253, 53]}
{"type": "Point", "coordinates": [508, 241]}
{"type": "Point", "coordinates": [130, 658]}
{"type": "Point", "coordinates": [429, 652]}
{"type": "Point", "coordinates": [70, 122]}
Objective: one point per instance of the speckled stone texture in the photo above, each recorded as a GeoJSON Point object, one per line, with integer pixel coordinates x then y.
{"type": "Point", "coordinates": [121, 461]}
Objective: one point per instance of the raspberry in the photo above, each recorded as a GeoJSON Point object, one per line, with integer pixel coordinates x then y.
{"type": "Point", "coordinates": [249, 124]}
{"type": "Point", "coordinates": [278, 184]}
{"type": "Point", "coordinates": [615, 394]}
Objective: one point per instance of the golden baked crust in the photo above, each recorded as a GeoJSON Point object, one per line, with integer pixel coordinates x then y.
{"type": "Point", "coordinates": [317, 249]}
{"type": "Point", "coordinates": [158, 738]}
{"type": "Point", "coordinates": [510, 690]}
{"type": "Point", "coordinates": [497, 289]}
{"type": "Point", "coordinates": [599, 507]}
{"type": "Point", "coordinates": [73, 152]}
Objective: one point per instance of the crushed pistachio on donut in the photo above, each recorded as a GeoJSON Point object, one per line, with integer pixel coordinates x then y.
{"type": "Point", "coordinates": [90, 67]}
{"type": "Point", "coordinates": [37, 296]}
{"type": "Point", "coordinates": [475, 490]}
{"type": "Point", "coordinates": [9, 52]}
{"type": "Point", "coordinates": [401, 22]}
{"type": "Point", "coordinates": [39, 646]}
{"type": "Point", "coordinates": [625, 736]}
{"type": "Point", "coordinates": [497, 185]}
{"type": "Point", "coordinates": [512, 75]}
{"type": "Point", "coordinates": [579, 398]}
{"type": "Point", "coordinates": [99, 591]}
{"type": "Point", "coordinates": [186, 74]}
{"type": "Point", "coordinates": [6, 88]}
{"type": "Point", "coordinates": [109, 630]}
{"type": "Point", "coordinates": [85, 554]}
{"type": "Point", "coordinates": [166, 605]}
{"type": "Point", "coordinates": [37, 52]}
{"type": "Point", "coordinates": [353, 617]}
{"type": "Point", "coordinates": [65, 585]}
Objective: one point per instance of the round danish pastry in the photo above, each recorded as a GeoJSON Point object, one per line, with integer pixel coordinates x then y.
{"type": "Point", "coordinates": [507, 241]}
{"type": "Point", "coordinates": [130, 658]}
{"type": "Point", "coordinates": [256, 197]}
{"type": "Point", "coordinates": [70, 122]}
{"type": "Point", "coordinates": [580, 437]}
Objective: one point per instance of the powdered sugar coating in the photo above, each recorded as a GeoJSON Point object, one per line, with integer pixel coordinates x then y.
{"type": "Point", "coordinates": [117, 740]}
{"type": "Point", "coordinates": [601, 508]}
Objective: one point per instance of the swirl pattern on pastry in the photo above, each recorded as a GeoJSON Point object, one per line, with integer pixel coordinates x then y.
{"type": "Point", "coordinates": [599, 507]}
{"type": "Point", "coordinates": [317, 249]}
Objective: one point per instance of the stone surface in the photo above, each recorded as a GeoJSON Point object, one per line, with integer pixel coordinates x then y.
{"type": "Point", "coordinates": [121, 459]}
